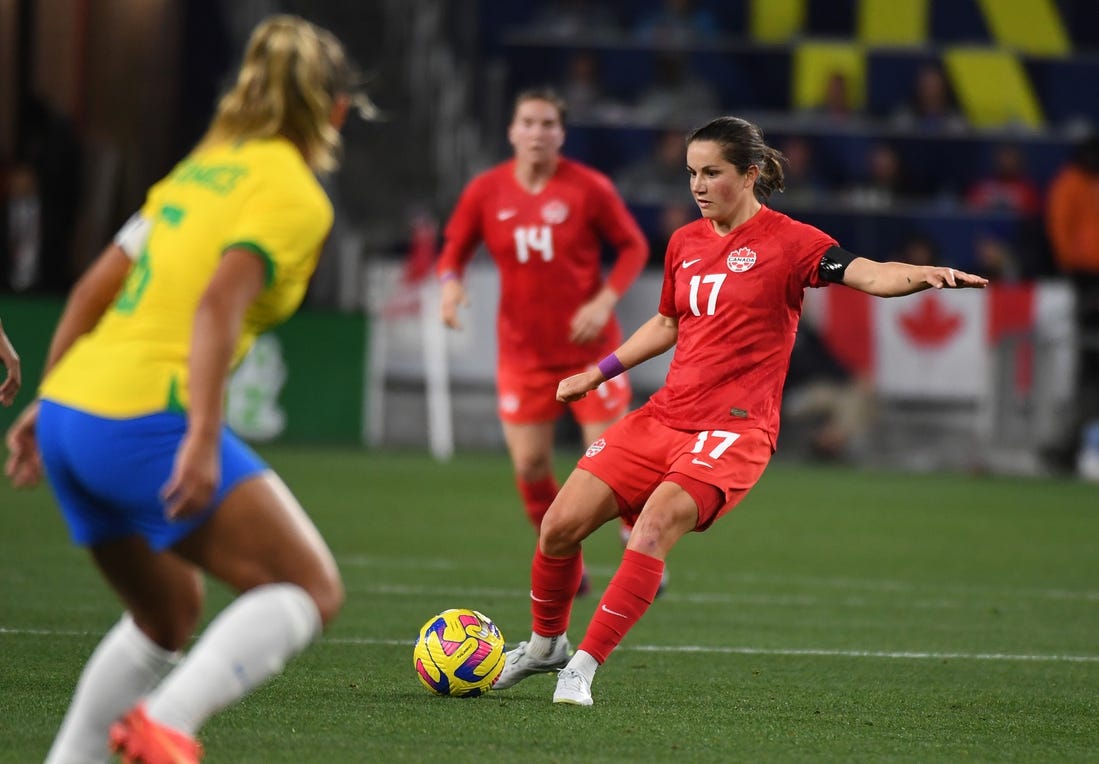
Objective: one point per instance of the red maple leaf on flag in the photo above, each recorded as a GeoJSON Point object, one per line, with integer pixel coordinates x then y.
{"type": "Point", "coordinates": [404, 301]}
{"type": "Point", "coordinates": [929, 323]}
{"type": "Point", "coordinates": [421, 249]}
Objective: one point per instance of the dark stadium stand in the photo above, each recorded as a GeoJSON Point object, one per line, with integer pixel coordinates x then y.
{"type": "Point", "coordinates": [1019, 72]}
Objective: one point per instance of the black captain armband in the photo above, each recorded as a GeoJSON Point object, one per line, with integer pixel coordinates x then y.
{"type": "Point", "coordinates": [833, 263]}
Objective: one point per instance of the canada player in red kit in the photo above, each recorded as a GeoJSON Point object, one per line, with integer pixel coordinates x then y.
{"type": "Point", "coordinates": [544, 219]}
{"type": "Point", "coordinates": [730, 304]}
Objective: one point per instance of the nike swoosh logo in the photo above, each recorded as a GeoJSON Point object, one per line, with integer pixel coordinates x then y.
{"type": "Point", "coordinates": [704, 464]}
{"type": "Point", "coordinates": [538, 599]}
{"type": "Point", "coordinates": [606, 609]}
{"type": "Point", "coordinates": [506, 214]}
{"type": "Point", "coordinates": [689, 263]}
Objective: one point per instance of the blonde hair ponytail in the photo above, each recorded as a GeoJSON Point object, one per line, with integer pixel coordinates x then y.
{"type": "Point", "coordinates": [287, 85]}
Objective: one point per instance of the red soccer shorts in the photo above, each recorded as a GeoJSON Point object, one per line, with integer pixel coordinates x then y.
{"type": "Point", "coordinates": [530, 397]}
{"type": "Point", "coordinates": [638, 453]}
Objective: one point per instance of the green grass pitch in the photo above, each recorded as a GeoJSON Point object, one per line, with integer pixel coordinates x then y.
{"type": "Point", "coordinates": [836, 615]}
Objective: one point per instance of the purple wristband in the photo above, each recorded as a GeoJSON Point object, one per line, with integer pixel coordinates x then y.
{"type": "Point", "coordinates": [448, 276]}
{"type": "Point", "coordinates": [611, 366]}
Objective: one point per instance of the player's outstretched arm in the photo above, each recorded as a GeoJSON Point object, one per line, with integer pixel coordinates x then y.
{"type": "Point", "coordinates": [13, 376]}
{"type": "Point", "coordinates": [650, 340]}
{"type": "Point", "coordinates": [88, 300]}
{"type": "Point", "coordinates": [895, 279]}
{"type": "Point", "coordinates": [24, 464]}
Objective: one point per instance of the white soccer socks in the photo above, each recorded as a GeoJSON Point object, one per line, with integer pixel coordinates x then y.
{"type": "Point", "coordinates": [123, 668]}
{"type": "Point", "coordinates": [249, 642]}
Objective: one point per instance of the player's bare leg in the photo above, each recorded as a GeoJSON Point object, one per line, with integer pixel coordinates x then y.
{"type": "Point", "coordinates": [163, 596]}
{"type": "Point", "coordinates": [591, 432]}
{"type": "Point", "coordinates": [259, 542]}
{"type": "Point", "coordinates": [530, 447]}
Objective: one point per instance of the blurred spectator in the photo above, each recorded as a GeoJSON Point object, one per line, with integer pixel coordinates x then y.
{"type": "Point", "coordinates": [584, 92]}
{"type": "Point", "coordinates": [995, 259]}
{"type": "Point", "coordinates": [932, 105]}
{"type": "Point", "coordinates": [883, 182]}
{"type": "Point", "coordinates": [821, 392]}
{"type": "Point", "coordinates": [1009, 188]}
{"type": "Point", "coordinates": [572, 19]}
{"type": "Point", "coordinates": [677, 22]}
{"type": "Point", "coordinates": [1072, 222]}
{"type": "Point", "coordinates": [1072, 212]}
{"type": "Point", "coordinates": [22, 229]}
{"type": "Point", "coordinates": [671, 216]}
{"type": "Point", "coordinates": [677, 94]}
{"type": "Point", "coordinates": [661, 176]}
{"type": "Point", "coordinates": [919, 249]}
{"type": "Point", "coordinates": [804, 186]}
{"type": "Point", "coordinates": [51, 147]}
{"type": "Point", "coordinates": [837, 105]}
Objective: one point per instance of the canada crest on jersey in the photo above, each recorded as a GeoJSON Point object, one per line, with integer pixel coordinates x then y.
{"type": "Point", "coordinates": [509, 403]}
{"type": "Point", "coordinates": [741, 259]}
{"type": "Point", "coordinates": [555, 212]}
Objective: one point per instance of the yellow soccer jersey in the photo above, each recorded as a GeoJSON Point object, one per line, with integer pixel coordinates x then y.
{"type": "Point", "coordinates": [258, 195]}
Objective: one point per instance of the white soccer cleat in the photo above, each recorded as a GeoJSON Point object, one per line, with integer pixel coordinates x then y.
{"type": "Point", "coordinates": [572, 688]}
{"type": "Point", "coordinates": [519, 663]}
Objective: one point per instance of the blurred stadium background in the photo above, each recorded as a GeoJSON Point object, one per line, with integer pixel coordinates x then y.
{"type": "Point", "coordinates": [99, 97]}
{"type": "Point", "coordinates": [835, 617]}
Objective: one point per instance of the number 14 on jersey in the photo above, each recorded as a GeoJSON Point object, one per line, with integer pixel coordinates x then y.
{"type": "Point", "coordinates": [533, 237]}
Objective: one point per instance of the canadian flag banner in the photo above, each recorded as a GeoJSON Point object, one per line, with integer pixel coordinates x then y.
{"type": "Point", "coordinates": [931, 345]}
{"type": "Point", "coordinates": [404, 300]}
{"type": "Point", "coordinates": [941, 343]}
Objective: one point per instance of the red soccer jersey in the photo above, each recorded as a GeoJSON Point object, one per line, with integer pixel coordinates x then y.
{"type": "Point", "coordinates": [547, 247]}
{"type": "Point", "coordinates": [738, 300]}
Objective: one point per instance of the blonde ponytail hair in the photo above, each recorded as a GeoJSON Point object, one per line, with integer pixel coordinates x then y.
{"type": "Point", "coordinates": [287, 84]}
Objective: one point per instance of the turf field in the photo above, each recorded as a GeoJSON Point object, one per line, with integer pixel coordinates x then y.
{"type": "Point", "coordinates": [834, 616]}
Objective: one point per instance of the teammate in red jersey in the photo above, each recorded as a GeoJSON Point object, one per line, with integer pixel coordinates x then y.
{"type": "Point", "coordinates": [731, 300]}
{"type": "Point", "coordinates": [544, 219]}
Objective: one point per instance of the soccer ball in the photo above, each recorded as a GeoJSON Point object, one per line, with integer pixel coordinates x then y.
{"type": "Point", "coordinates": [460, 652]}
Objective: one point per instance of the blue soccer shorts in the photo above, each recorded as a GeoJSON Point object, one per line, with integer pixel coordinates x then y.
{"type": "Point", "coordinates": [108, 474]}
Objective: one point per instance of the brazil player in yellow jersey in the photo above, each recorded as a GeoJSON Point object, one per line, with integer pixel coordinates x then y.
{"type": "Point", "coordinates": [128, 426]}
